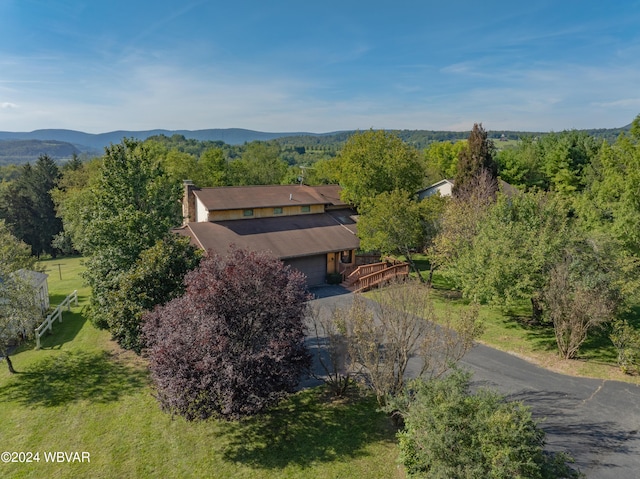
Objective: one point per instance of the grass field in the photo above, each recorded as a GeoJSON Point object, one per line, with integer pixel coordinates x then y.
{"type": "Point", "coordinates": [82, 393]}
{"type": "Point", "coordinates": [512, 331]}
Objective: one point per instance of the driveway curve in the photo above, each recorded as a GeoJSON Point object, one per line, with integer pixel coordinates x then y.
{"type": "Point", "coordinates": [596, 421]}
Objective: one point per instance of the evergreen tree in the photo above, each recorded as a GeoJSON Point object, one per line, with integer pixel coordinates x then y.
{"type": "Point", "coordinates": [474, 159]}
{"type": "Point", "coordinates": [48, 225]}
{"type": "Point", "coordinates": [28, 208]}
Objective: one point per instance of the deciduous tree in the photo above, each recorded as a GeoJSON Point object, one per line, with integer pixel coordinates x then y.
{"type": "Point", "coordinates": [155, 279]}
{"type": "Point", "coordinates": [574, 307]}
{"type": "Point", "coordinates": [514, 247]}
{"type": "Point", "coordinates": [375, 162]}
{"type": "Point", "coordinates": [442, 159]}
{"type": "Point", "coordinates": [403, 324]}
{"type": "Point", "coordinates": [130, 207]}
{"type": "Point", "coordinates": [461, 220]}
{"type": "Point", "coordinates": [260, 164]}
{"type": "Point", "coordinates": [394, 224]}
{"type": "Point", "coordinates": [233, 344]}
{"type": "Point", "coordinates": [14, 254]}
{"type": "Point", "coordinates": [19, 306]}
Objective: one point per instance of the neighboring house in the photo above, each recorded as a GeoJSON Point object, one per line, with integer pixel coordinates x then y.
{"type": "Point", "coordinates": [307, 227]}
{"type": "Point", "coordinates": [39, 282]}
{"type": "Point", "coordinates": [445, 188]}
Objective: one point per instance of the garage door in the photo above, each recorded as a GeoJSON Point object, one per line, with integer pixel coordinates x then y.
{"type": "Point", "coordinates": [314, 267]}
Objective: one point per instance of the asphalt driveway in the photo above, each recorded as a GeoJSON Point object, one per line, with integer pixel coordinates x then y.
{"type": "Point", "coordinates": [595, 421]}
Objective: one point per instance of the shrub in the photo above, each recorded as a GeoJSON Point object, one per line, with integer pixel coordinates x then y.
{"type": "Point", "coordinates": [451, 433]}
{"type": "Point", "coordinates": [626, 340]}
{"type": "Point", "coordinates": [233, 344]}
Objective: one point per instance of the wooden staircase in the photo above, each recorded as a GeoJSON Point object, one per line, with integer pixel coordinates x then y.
{"type": "Point", "coordinates": [368, 276]}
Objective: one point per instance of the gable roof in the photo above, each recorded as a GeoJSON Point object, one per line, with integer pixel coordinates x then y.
{"type": "Point", "coordinates": [285, 237]}
{"type": "Point", "coordinates": [506, 188]}
{"type": "Point", "coordinates": [434, 188]}
{"type": "Point", "coordinates": [35, 278]}
{"type": "Point", "coordinates": [269, 196]}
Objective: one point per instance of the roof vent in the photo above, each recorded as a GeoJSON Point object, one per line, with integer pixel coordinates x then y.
{"type": "Point", "coordinates": [290, 196]}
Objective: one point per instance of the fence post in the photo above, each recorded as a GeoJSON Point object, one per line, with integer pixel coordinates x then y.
{"type": "Point", "coordinates": [48, 322]}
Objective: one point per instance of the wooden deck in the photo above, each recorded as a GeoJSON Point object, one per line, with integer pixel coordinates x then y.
{"type": "Point", "coordinates": [370, 276]}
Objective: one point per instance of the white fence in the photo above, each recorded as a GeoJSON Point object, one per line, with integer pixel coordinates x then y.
{"type": "Point", "coordinates": [57, 314]}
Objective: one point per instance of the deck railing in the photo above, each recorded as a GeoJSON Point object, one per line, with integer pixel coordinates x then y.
{"type": "Point", "coordinates": [371, 275]}
{"type": "Point", "coordinates": [365, 270]}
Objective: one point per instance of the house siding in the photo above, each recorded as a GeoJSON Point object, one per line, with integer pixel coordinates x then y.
{"type": "Point", "coordinates": [238, 214]}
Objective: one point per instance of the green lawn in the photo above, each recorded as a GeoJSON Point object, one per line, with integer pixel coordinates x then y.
{"type": "Point", "coordinates": [81, 393]}
{"type": "Point", "coordinates": [512, 331]}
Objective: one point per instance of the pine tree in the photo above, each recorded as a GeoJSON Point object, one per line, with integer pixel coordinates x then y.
{"type": "Point", "coordinates": [475, 159]}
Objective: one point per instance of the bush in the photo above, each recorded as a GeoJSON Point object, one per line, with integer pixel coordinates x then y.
{"type": "Point", "coordinates": [233, 344]}
{"type": "Point", "coordinates": [626, 340]}
{"type": "Point", "coordinates": [155, 279]}
{"type": "Point", "coordinates": [450, 433]}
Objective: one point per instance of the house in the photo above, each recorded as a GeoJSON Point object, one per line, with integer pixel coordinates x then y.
{"type": "Point", "coordinates": [41, 288]}
{"type": "Point", "coordinates": [445, 188]}
{"type": "Point", "coordinates": [307, 227]}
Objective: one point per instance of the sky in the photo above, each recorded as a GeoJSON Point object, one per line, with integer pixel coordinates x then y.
{"type": "Point", "coordinates": [318, 66]}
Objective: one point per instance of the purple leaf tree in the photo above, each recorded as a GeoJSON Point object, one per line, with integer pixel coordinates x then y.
{"type": "Point", "coordinates": [233, 344]}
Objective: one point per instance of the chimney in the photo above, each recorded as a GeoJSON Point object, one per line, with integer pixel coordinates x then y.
{"type": "Point", "coordinates": [188, 203]}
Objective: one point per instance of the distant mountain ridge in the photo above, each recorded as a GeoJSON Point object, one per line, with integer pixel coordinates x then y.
{"type": "Point", "coordinates": [23, 151]}
{"type": "Point", "coordinates": [52, 140]}
{"type": "Point", "coordinates": [97, 141]}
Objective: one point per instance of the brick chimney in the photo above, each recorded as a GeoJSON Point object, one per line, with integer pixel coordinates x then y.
{"type": "Point", "coordinates": [188, 203]}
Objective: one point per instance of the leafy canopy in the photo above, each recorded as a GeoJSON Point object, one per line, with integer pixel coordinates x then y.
{"type": "Point", "coordinates": [19, 306]}
{"type": "Point", "coordinates": [375, 162]}
{"type": "Point", "coordinates": [155, 278]}
{"type": "Point", "coordinates": [129, 207]}
{"type": "Point", "coordinates": [233, 344]}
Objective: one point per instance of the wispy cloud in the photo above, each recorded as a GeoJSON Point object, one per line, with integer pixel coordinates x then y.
{"type": "Point", "coordinates": [316, 68]}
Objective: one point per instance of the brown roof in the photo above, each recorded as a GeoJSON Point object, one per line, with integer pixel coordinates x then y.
{"type": "Point", "coordinates": [285, 237]}
{"type": "Point", "coordinates": [243, 197]}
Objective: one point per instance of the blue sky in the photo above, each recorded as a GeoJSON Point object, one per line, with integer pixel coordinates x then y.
{"type": "Point", "coordinates": [321, 66]}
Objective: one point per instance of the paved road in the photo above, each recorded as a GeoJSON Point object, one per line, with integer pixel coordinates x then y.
{"type": "Point", "coordinates": [595, 421]}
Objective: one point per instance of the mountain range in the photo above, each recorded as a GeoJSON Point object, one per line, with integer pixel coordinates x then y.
{"type": "Point", "coordinates": [90, 141]}
{"type": "Point", "coordinates": [60, 144]}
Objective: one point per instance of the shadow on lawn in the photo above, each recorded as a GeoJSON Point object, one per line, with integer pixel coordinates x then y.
{"type": "Point", "coordinates": [305, 430]}
{"type": "Point", "coordinates": [539, 334]}
{"type": "Point", "coordinates": [73, 376]}
{"type": "Point", "coordinates": [72, 323]}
